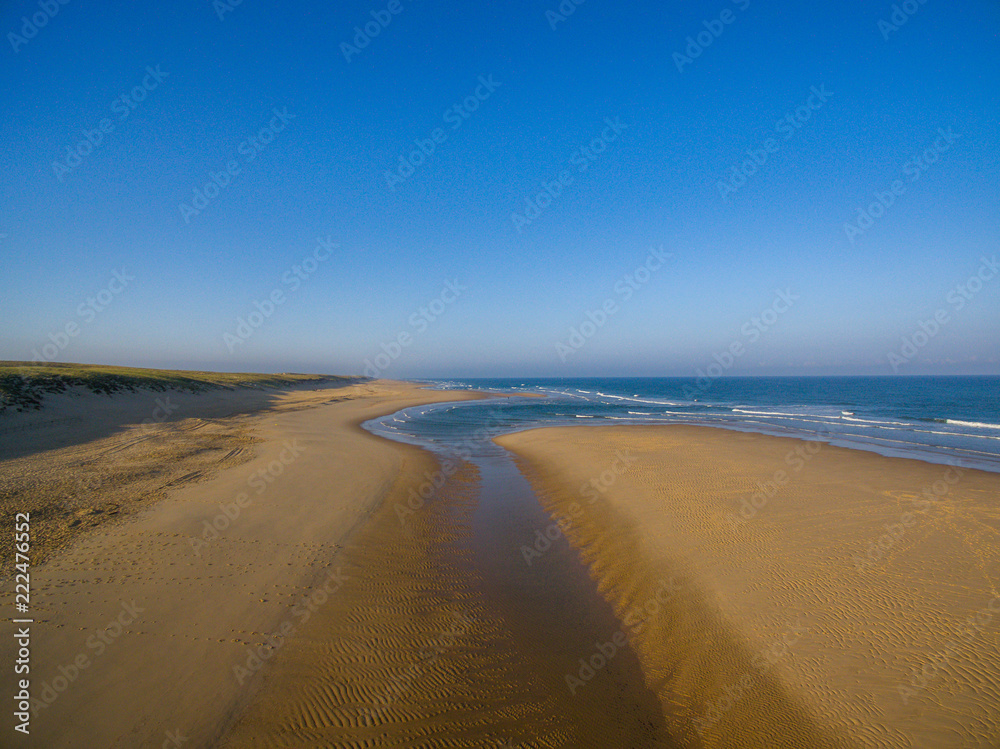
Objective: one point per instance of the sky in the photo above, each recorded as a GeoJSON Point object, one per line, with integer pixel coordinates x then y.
{"type": "Point", "coordinates": [422, 188]}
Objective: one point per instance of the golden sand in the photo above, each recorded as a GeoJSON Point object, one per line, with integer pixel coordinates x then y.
{"type": "Point", "coordinates": [142, 615]}
{"type": "Point", "coordinates": [410, 653]}
{"type": "Point", "coordinates": [826, 597]}
{"type": "Point", "coordinates": [735, 589]}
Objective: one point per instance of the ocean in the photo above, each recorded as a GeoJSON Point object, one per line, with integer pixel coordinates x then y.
{"type": "Point", "coordinates": [948, 420]}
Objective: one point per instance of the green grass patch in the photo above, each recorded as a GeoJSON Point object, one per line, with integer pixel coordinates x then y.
{"type": "Point", "coordinates": [23, 385]}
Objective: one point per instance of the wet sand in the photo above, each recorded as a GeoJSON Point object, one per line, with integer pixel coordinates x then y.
{"type": "Point", "coordinates": [824, 596]}
{"type": "Point", "coordinates": [441, 636]}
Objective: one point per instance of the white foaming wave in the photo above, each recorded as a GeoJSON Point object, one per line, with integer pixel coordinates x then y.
{"type": "Point", "coordinates": [763, 413]}
{"type": "Point", "coordinates": [785, 414]}
{"type": "Point", "coordinates": [874, 421]}
{"type": "Point", "coordinates": [661, 403]}
{"type": "Point", "coordinates": [976, 424]}
{"type": "Point", "coordinates": [706, 417]}
{"type": "Point", "coordinates": [968, 436]}
{"type": "Point", "coordinates": [641, 400]}
{"type": "Point", "coordinates": [877, 423]}
{"type": "Point", "coordinates": [905, 427]}
{"type": "Point", "coordinates": [831, 419]}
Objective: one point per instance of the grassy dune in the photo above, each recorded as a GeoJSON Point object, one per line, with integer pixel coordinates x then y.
{"type": "Point", "coordinates": [23, 385]}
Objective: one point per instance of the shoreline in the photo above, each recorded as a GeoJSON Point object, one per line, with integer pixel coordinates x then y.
{"type": "Point", "coordinates": [962, 431]}
{"type": "Point", "coordinates": [716, 586]}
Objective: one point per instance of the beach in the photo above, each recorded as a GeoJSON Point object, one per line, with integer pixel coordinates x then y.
{"type": "Point", "coordinates": [255, 569]}
{"type": "Point", "coordinates": [141, 613]}
{"type": "Point", "coordinates": [825, 596]}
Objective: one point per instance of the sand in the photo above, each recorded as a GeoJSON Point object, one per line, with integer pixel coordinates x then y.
{"type": "Point", "coordinates": [142, 614]}
{"type": "Point", "coordinates": [429, 645]}
{"type": "Point", "coordinates": [824, 596]}
{"type": "Point", "coordinates": [244, 573]}
{"type": "Point", "coordinates": [203, 613]}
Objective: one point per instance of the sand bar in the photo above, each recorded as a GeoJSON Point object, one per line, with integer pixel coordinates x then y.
{"type": "Point", "coordinates": [825, 596]}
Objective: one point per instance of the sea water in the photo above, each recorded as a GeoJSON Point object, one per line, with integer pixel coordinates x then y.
{"type": "Point", "coordinates": [949, 420]}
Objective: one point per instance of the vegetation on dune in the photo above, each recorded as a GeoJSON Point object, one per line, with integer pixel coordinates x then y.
{"type": "Point", "coordinates": [23, 385]}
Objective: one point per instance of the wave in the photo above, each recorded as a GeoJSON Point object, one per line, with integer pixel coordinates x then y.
{"type": "Point", "coordinates": [779, 413]}
{"type": "Point", "coordinates": [879, 422]}
{"type": "Point", "coordinates": [636, 399]}
{"type": "Point", "coordinates": [976, 424]}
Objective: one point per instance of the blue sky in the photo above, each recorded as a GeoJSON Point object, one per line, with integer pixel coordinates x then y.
{"type": "Point", "coordinates": [395, 186]}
